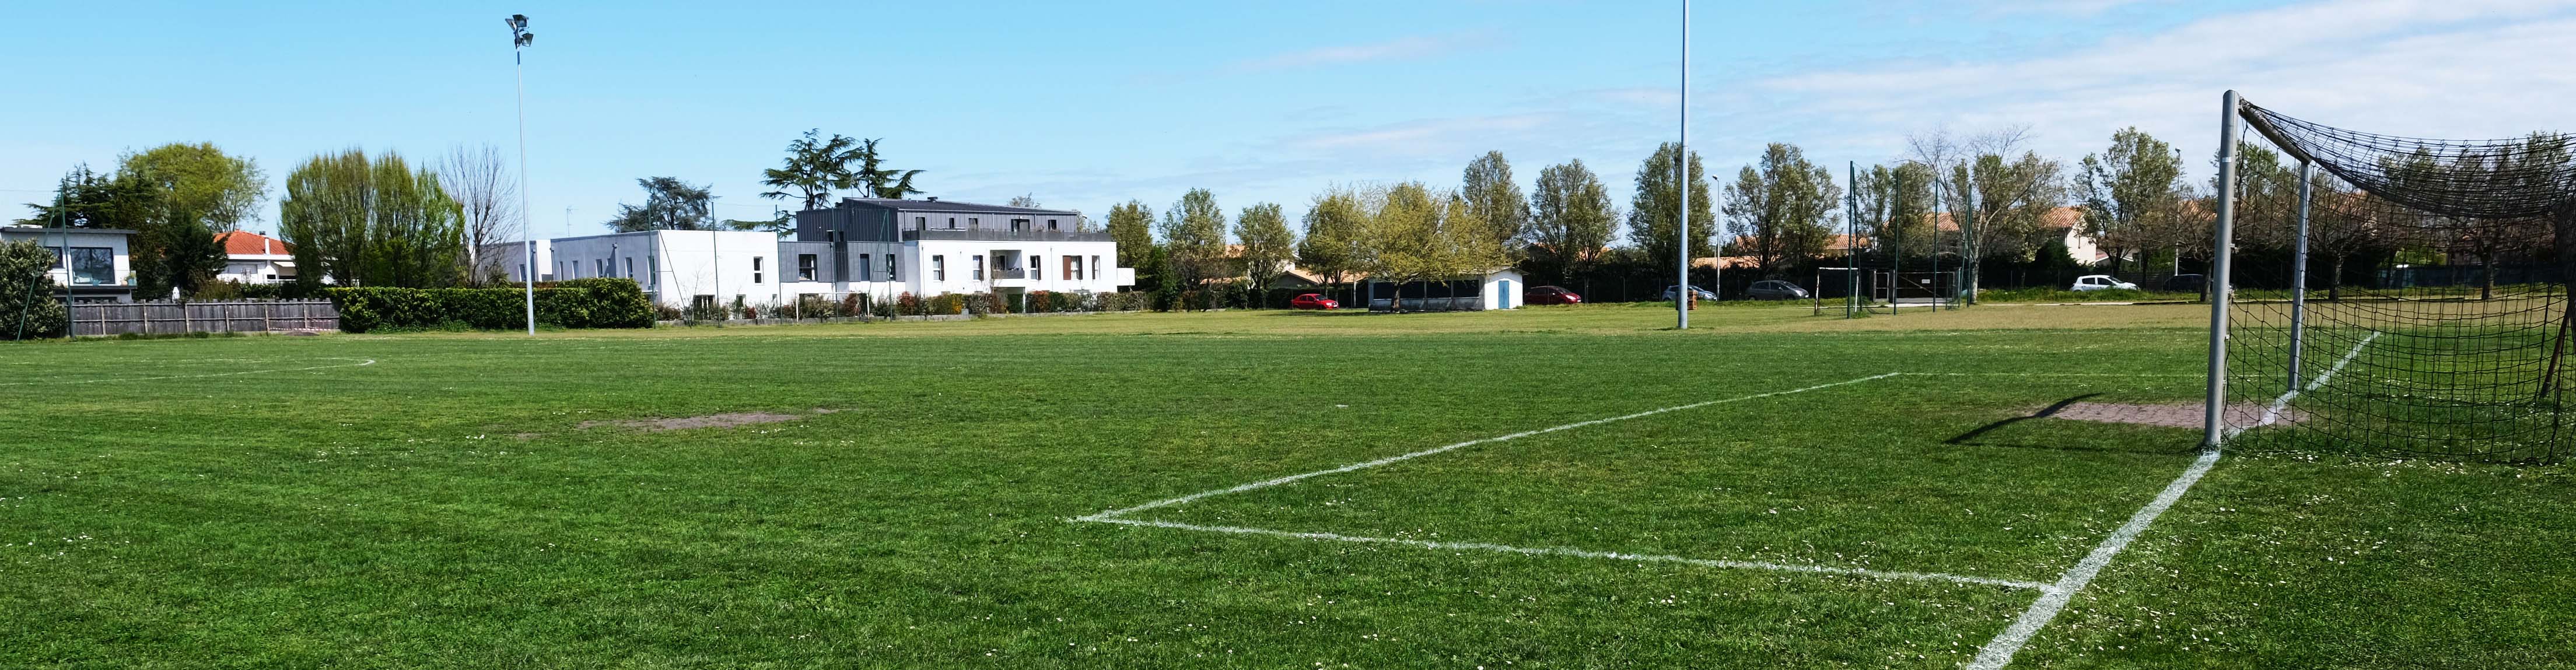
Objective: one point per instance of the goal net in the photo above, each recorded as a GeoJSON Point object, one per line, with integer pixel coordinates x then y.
{"type": "Point", "coordinates": [2400, 296]}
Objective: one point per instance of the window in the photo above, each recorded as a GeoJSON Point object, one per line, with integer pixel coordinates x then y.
{"type": "Point", "coordinates": [890, 268]}
{"type": "Point", "coordinates": [599, 267]}
{"type": "Point", "coordinates": [920, 223]}
{"type": "Point", "coordinates": [630, 267]}
{"type": "Point", "coordinates": [1051, 224]}
{"type": "Point", "coordinates": [702, 303]}
{"type": "Point", "coordinates": [755, 271]}
{"type": "Point", "coordinates": [939, 268]}
{"type": "Point", "coordinates": [979, 265]}
{"type": "Point", "coordinates": [952, 223]}
{"type": "Point", "coordinates": [807, 265]}
{"type": "Point", "coordinates": [973, 223]}
{"type": "Point", "coordinates": [1019, 225]}
{"type": "Point", "coordinates": [867, 263]}
{"type": "Point", "coordinates": [653, 268]}
{"type": "Point", "coordinates": [1073, 268]}
{"type": "Point", "coordinates": [1036, 272]}
{"type": "Point", "coordinates": [1096, 268]}
{"type": "Point", "coordinates": [523, 272]}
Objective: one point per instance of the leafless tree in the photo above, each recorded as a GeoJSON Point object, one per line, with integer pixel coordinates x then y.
{"type": "Point", "coordinates": [479, 178]}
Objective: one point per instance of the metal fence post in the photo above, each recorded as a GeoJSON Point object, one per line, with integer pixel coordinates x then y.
{"type": "Point", "coordinates": [2214, 419]}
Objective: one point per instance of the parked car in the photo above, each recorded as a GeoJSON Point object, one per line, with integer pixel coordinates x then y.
{"type": "Point", "coordinates": [1313, 301]}
{"type": "Point", "coordinates": [1674, 293]}
{"type": "Point", "coordinates": [2099, 283]}
{"type": "Point", "coordinates": [1550, 295]}
{"type": "Point", "coordinates": [1774, 289]}
{"type": "Point", "coordinates": [2186, 283]}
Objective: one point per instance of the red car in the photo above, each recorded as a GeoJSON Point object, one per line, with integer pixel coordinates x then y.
{"type": "Point", "coordinates": [1550, 295]}
{"type": "Point", "coordinates": [1313, 301]}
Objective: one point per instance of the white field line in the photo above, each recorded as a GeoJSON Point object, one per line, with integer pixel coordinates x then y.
{"type": "Point", "coordinates": [1586, 553]}
{"type": "Point", "coordinates": [1113, 514]}
{"type": "Point", "coordinates": [2059, 374]}
{"type": "Point", "coordinates": [2272, 414]}
{"type": "Point", "coordinates": [1999, 651]}
{"type": "Point", "coordinates": [363, 362]}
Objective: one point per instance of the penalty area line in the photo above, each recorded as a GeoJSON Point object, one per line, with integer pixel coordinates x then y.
{"type": "Point", "coordinates": [1112, 515]}
{"type": "Point", "coordinates": [1586, 553]}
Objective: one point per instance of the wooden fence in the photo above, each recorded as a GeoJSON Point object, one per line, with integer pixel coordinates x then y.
{"type": "Point", "coordinates": [156, 318]}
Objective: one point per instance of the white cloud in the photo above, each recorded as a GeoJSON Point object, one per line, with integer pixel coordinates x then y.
{"type": "Point", "coordinates": [2443, 69]}
{"type": "Point", "coordinates": [1418, 46]}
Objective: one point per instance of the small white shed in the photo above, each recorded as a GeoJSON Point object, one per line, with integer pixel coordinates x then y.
{"type": "Point", "coordinates": [1502, 288]}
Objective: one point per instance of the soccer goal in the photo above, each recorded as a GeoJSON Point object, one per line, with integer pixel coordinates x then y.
{"type": "Point", "coordinates": [2391, 295]}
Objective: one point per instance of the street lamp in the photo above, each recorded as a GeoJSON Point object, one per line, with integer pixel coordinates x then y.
{"type": "Point", "coordinates": [520, 38]}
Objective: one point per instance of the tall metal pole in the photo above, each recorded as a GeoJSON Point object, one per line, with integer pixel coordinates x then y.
{"type": "Point", "coordinates": [1851, 243]}
{"type": "Point", "coordinates": [1895, 238]}
{"type": "Point", "coordinates": [2214, 420]}
{"type": "Point", "coordinates": [2299, 278]}
{"type": "Point", "coordinates": [519, 39]}
{"type": "Point", "coordinates": [1682, 294]}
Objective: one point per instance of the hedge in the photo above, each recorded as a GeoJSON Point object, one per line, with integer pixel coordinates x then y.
{"type": "Point", "coordinates": [581, 303]}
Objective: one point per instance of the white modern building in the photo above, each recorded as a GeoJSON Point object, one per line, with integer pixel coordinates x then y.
{"type": "Point", "coordinates": [252, 258]}
{"type": "Point", "coordinates": [880, 248]}
{"type": "Point", "coordinates": [94, 262]}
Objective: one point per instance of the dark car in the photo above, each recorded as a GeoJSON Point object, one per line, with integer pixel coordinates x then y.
{"type": "Point", "coordinates": [1313, 301]}
{"type": "Point", "coordinates": [1550, 295]}
{"type": "Point", "coordinates": [1774, 289]}
{"type": "Point", "coordinates": [2185, 283]}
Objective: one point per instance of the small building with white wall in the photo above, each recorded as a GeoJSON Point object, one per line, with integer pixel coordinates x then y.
{"type": "Point", "coordinates": [1499, 288]}
{"type": "Point", "coordinates": [95, 263]}
{"type": "Point", "coordinates": [252, 258]}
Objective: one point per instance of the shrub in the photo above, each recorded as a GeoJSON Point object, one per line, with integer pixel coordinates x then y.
{"type": "Point", "coordinates": [615, 302]}
{"type": "Point", "coordinates": [666, 312]}
{"type": "Point", "coordinates": [910, 305]}
{"type": "Point", "coordinates": [27, 300]}
{"type": "Point", "coordinates": [947, 303]}
{"type": "Point", "coordinates": [850, 305]}
{"type": "Point", "coordinates": [364, 309]}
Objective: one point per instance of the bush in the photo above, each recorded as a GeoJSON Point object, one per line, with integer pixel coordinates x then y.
{"type": "Point", "coordinates": [910, 305]}
{"type": "Point", "coordinates": [851, 305]}
{"type": "Point", "coordinates": [666, 312]}
{"type": "Point", "coordinates": [1131, 301]}
{"type": "Point", "coordinates": [946, 303]}
{"type": "Point", "coordinates": [587, 303]}
{"type": "Point", "coordinates": [27, 300]}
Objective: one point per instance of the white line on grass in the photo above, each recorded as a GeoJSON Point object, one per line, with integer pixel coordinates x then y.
{"type": "Point", "coordinates": [365, 362]}
{"type": "Point", "coordinates": [1586, 553]}
{"type": "Point", "coordinates": [1112, 514]}
{"type": "Point", "coordinates": [1999, 652]}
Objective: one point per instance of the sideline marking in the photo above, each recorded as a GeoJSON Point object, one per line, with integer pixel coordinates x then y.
{"type": "Point", "coordinates": [1999, 652]}
{"type": "Point", "coordinates": [366, 362]}
{"type": "Point", "coordinates": [1112, 514]}
{"type": "Point", "coordinates": [1586, 553]}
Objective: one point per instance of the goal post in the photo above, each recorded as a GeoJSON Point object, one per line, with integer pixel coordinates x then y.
{"type": "Point", "coordinates": [2389, 296]}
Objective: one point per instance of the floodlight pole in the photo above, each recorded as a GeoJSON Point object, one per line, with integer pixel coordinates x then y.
{"type": "Point", "coordinates": [1682, 294]}
{"type": "Point", "coordinates": [2299, 278]}
{"type": "Point", "coordinates": [1895, 238]}
{"type": "Point", "coordinates": [2214, 418]}
{"type": "Point", "coordinates": [519, 40]}
{"type": "Point", "coordinates": [1851, 243]}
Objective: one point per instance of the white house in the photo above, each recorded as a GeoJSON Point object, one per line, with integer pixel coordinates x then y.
{"type": "Point", "coordinates": [252, 258]}
{"type": "Point", "coordinates": [881, 248]}
{"type": "Point", "coordinates": [93, 262]}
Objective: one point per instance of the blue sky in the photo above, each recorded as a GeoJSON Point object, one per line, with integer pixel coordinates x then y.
{"type": "Point", "coordinates": [1086, 105]}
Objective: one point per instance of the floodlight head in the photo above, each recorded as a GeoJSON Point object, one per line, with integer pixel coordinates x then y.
{"type": "Point", "coordinates": [518, 21]}
{"type": "Point", "coordinates": [525, 39]}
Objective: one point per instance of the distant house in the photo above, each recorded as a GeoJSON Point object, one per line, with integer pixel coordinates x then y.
{"type": "Point", "coordinates": [252, 258]}
{"type": "Point", "coordinates": [94, 262]}
{"type": "Point", "coordinates": [877, 247]}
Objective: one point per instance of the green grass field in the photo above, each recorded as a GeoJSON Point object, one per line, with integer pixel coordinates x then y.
{"type": "Point", "coordinates": [971, 499]}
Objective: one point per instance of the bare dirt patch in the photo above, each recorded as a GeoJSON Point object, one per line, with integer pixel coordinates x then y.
{"type": "Point", "coordinates": [727, 420]}
{"type": "Point", "coordinates": [2174, 415]}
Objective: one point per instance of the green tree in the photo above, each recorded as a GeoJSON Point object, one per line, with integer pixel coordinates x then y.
{"type": "Point", "coordinates": [814, 168]}
{"type": "Point", "coordinates": [1896, 207]}
{"type": "Point", "coordinates": [1784, 211]}
{"type": "Point", "coordinates": [1493, 196]}
{"type": "Point", "coordinates": [2129, 191]}
{"type": "Point", "coordinates": [1655, 209]}
{"type": "Point", "coordinates": [1131, 225]}
{"type": "Point", "coordinates": [1335, 224]}
{"type": "Point", "coordinates": [1268, 244]}
{"type": "Point", "coordinates": [1029, 200]}
{"type": "Point", "coordinates": [29, 307]}
{"type": "Point", "coordinates": [882, 181]}
{"type": "Point", "coordinates": [215, 189]}
{"type": "Point", "coordinates": [362, 221]}
{"type": "Point", "coordinates": [1418, 234]}
{"type": "Point", "coordinates": [1571, 216]}
{"type": "Point", "coordinates": [669, 204]}
{"type": "Point", "coordinates": [1193, 232]}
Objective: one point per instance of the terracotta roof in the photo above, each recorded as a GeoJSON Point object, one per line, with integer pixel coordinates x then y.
{"type": "Point", "coordinates": [246, 243]}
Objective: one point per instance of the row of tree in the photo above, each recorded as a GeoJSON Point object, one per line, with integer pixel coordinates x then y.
{"type": "Point", "coordinates": [176, 197]}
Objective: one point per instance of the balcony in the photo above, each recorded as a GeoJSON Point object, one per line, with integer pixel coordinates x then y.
{"type": "Point", "coordinates": [981, 234]}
